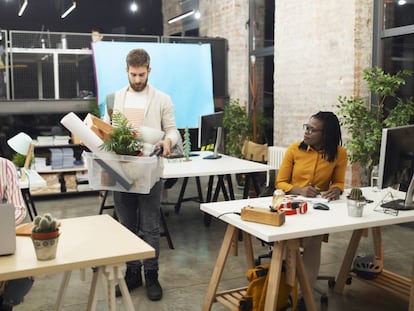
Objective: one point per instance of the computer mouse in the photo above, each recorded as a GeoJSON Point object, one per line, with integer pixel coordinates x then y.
{"type": "Point", "coordinates": [321, 206]}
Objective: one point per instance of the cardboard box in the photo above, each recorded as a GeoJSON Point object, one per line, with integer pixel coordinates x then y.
{"type": "Point", "coordinates": [262, 215]}
{"type": "Point", "coordinates": [98, 126]}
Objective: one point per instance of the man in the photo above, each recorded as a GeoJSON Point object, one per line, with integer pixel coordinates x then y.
{"type": "Point", "coordinates": [12, 292]}
{"type": "Point", "coordinates": [144, 105]}
{"type": "Point", "coordinates": [96, 34]}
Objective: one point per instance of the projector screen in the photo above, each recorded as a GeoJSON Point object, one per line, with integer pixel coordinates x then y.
{"type": "Point", "coordinates": [183, 71]}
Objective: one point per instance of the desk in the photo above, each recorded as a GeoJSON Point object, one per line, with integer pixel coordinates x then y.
{"type": "Point", "coordinates": [297, 226]}
{"type": "Point", "coordinates": [223, 168]}
{"type": "Point", "coordinates": [85, 242]}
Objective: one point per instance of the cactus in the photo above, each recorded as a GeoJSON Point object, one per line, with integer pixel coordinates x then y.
{"type": "Point", "coordinates": [356, 194]}
{"type": "Point", "coordinates": [45, 223]}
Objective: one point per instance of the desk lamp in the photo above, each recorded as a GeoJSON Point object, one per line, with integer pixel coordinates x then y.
{"type": "Point", "coordinates": [22, 143]}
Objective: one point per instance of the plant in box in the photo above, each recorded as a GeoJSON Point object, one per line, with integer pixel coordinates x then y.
{"type": "Point", "coordinates": [123, 140]}
{"type": "Point", "coordinates": [45, 236]}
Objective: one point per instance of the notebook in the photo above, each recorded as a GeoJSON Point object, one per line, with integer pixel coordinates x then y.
{"type": "Point", "coordinates": [7, 229]}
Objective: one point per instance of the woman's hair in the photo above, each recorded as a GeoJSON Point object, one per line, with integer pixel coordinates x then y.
{"type": "Point", "coordinates": [331, 135]}
{"type": "Point", "coordinates": [138, 58]}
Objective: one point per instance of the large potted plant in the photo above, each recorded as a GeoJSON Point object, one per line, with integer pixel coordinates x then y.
{"type": "Point", "coordinates": [237, 127]}
{"type": "Point", "coordinates": [364, 122]}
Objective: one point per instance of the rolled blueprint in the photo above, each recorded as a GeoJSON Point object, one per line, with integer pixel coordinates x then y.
{"type": "Point", "coordinates": [74, 124]}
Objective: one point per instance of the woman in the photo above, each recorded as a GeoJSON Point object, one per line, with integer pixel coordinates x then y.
{"type": "Point", "coordinates": [12, 292]}
{"type": "Point", "coordinates": [315, 166]}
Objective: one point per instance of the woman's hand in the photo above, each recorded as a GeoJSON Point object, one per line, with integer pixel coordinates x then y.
{"type": "Point", "coordinates": [308, 191]}
{"type": "Point", "coordinates": [332, 194]}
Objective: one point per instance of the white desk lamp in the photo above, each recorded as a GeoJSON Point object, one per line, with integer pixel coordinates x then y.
{"type": "Point", "coordinates": [22, 143]}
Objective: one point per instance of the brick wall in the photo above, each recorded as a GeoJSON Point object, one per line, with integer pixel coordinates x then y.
{"type": "Point", "coordinates": [225, 19]}
{"type": "Point", "coordinates": [321, 48]}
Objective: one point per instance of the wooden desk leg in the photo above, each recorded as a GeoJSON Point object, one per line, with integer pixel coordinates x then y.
{"type": "Point", "coordinates": [218, 268]}
{"type": "Point", "coordinates": [347, 262]}
{"type": "Point", "coordinates": [304, 283]}
{"type": "Point", "coordinates": [275, 272]}
{"type": "Point", "coordinates": [411, 305]}
{"type": "Point", "coordinates": [248, 249]}
{"type": "Point", "coordinates": [377, 239]}
{"type": "Point", "coordinates": [93, 292]}
{"type": "Point", "coordinates": [62, 290]}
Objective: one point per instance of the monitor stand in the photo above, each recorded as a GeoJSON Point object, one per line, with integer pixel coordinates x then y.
{"type": "Point", "coordinates": [402, 204]}
{"type": "Point", "coordinates": [215, 154]}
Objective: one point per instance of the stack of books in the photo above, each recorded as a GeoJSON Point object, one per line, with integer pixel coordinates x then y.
{"type": "Point", "coordinates": [56, 158]}
{"type": "Point", "coordinates": [61, 158]}
{"type": "Point", "coordinates": [68, 158]}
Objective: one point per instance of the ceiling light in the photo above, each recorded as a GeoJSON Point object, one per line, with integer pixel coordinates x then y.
{"type": "Point", "coordinates": [402, 2]}
{"type": "Point", "coordinates": [197, 14]}
{"type": "Point", "coordinates": [133, 7]}
{"type": "Point", "coordinates": [180, 17]}
{"type": "Point", "coordinates": [66, 13]}
{"type": "Point", "coordinates": [23, 7]}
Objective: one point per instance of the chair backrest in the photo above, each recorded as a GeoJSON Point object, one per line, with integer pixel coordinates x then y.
{"type": "Point", "coordinates": [275, 156]}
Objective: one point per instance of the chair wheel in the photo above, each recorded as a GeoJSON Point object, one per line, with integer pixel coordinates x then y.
{"type": "Point", "coordinates": [349, 281]}
{"type": "Point", "coordinates": [331, 283]}
{"type": "Point", "coordinates": [324, 299]}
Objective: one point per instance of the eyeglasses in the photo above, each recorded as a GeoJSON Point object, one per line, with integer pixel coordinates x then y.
{"type": "Point", "coordinates": [310, 129]}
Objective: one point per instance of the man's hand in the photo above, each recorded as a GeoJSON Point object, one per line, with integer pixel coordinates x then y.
{"type": "Point", "coordinates": [166, 145]}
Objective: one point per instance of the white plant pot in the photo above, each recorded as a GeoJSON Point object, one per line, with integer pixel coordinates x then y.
{"type": "Point", "coordinates": [355, 208]}
{"type": "Point", "coordinates": [45, 249]}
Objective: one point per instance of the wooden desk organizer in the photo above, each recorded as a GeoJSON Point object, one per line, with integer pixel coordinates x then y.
{"type": "Point", "coordinates": [100, 127]}
{"type": "Point", "coordinates": [263, 215]}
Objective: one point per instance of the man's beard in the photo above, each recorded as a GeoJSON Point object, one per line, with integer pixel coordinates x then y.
{"type": "Point", "coordinates": [138, 87]}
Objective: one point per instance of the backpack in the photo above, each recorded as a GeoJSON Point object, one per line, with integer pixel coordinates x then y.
{"type": "Point", "coordinates": [255, 296]}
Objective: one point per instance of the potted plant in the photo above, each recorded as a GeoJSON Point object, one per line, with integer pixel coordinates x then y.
{"type": "Point", "coordinates": [355, 202]}
{"type": "Point", "coordinates": [365, 122]}
{"type": "Point", "coordinates": [124, 139]}
{"type": "Point", "coordinates": [45, 236]}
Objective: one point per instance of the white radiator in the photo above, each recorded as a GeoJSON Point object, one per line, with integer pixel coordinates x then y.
{"type": "Point", "coordinates": [275, 156]}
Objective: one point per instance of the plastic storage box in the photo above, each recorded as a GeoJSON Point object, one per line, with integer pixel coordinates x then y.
{"type": "Point", "coordinates": [122, 173]}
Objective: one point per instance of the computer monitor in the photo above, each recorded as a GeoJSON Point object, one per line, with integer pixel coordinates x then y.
{"type": "Point", "coordinates": [210, 132]}
{"type": "Point", "coordinates": [396, 164]}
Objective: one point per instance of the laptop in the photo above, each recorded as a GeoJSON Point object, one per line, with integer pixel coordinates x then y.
{"type": "Point", "coordinates": [7, 229]}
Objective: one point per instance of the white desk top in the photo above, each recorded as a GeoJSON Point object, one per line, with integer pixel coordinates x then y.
{"type": "Point", "coordinates": [314, 222]}
{"type": "Point", "coordinates": [206, 167]}
{"type": "Point", "coordinates": [84, 242]}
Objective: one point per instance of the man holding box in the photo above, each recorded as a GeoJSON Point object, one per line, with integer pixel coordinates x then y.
{"type": "Point", "coordinates": [144, 105]}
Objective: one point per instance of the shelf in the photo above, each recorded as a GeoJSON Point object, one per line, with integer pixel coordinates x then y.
{"type": "Point", "coordinates": [398, 285]}
{"type": "Point", "coordinates": [62, 170]}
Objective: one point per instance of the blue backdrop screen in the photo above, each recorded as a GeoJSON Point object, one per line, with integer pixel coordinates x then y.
{"type": "Point", "coordinates": [183, 71]}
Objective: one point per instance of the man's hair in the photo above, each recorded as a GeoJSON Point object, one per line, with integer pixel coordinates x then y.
{"type": "Point", "coordinates": [138, 58]}
{"type": "Point", "coordinates": [97, 29]}
{"type": "Point", "coordinates": [331, 135]}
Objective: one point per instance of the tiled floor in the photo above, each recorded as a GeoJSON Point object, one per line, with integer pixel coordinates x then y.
{"type": "Point", "coordinates": [185, 271]}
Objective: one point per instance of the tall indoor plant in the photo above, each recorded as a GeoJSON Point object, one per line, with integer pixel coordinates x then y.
{"type": "Point", "coordinates": [365, 122]}
{"type": "Point", "coordinates": [237, 127]}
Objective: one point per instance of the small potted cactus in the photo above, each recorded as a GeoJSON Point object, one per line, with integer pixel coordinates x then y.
{"type": "Point", "coordinates": [356, 202]}
{"type": "Point", "coordinates": [45, 236]}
